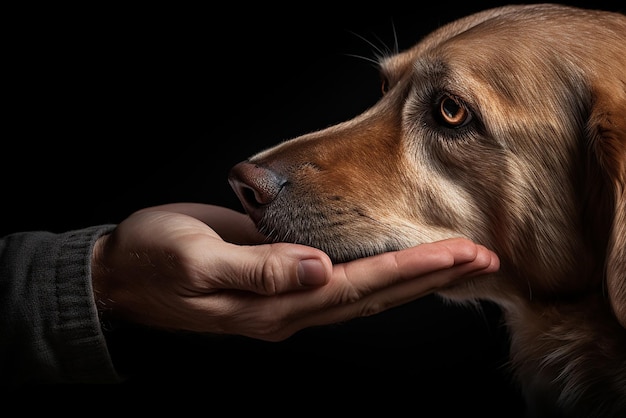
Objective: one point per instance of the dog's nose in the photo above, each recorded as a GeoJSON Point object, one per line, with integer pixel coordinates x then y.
{"type": "Point", "coordinates": [255, 187]}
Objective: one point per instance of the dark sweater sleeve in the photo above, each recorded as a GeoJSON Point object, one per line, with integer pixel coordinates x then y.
{"type": "Point", "coordinates": [49, 326]}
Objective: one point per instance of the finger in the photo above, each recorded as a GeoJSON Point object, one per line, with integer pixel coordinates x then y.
{"type": "Point", "coordinates": [347, 297]}
{"type": "Point", "coordinates": [232, 226]}
{"type": "Point", "coordinates": [484, 262]}
{"type": "Point", "coordinates": [272, 269]}
{"type": "Point", "coordinates": [419, 271]}
{"type": "Point", "coordinates": [383, 270]}
{"type": "Point", "coordinates": [488, 263]}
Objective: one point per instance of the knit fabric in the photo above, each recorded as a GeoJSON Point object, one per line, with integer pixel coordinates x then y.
{"type": "Point", "coordinates": [50, 331]}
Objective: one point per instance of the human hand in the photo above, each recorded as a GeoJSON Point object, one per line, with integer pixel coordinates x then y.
{"type": "Point", "coordinates": [166, 267]}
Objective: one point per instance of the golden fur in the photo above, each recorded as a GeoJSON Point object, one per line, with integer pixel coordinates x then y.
{"type": "Point", "coordinates": [508, 127]}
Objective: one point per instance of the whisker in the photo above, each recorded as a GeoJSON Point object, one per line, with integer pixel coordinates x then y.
{"type": "Point", "coordinates": [373, 61]}
{"type": "Point", "coordinates": [396, 47]}
{"type": "Point", "coordinates": [378, 52]}
{"type": "Point", "coordinates": [380, 48]}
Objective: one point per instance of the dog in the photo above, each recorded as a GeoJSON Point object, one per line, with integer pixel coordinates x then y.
{"type": "Point", "coordinates": [508, 127]}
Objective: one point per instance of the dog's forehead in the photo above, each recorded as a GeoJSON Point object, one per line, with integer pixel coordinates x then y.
{"type": "Point", "coordinates": [401, 62]}
{"type": "Point", "coordinates": [492, 33]}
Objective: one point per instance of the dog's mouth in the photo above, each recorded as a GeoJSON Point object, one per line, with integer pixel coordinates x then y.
{"type": "Point", "coordinates": [286, 212]}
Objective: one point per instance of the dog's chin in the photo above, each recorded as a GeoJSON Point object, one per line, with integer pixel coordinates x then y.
{"type": "Point", "coordinates": [342, 243]}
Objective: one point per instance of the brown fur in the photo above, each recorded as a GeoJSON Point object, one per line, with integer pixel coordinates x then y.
{"type": "Point", "coordinates": [538, 175]}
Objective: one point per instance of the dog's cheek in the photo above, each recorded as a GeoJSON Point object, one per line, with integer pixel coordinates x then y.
{"type": "Point", "coordinates": [436, 206]}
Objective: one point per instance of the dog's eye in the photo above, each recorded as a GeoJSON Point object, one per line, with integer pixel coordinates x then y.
{"type": "Point", "coordinates": [452, 113]}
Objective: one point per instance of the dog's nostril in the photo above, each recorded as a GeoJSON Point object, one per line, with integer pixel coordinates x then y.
{"type": "Point", "coordinates": [248, 194]}
{"type": "Point", "coordinates": [255, 185]}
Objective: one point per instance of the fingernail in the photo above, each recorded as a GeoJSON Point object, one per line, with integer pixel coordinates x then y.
{"type": "Point", "coordinates": [311, 272]}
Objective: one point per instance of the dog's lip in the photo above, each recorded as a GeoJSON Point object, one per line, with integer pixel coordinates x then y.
{"type": "Point", "coordinates": [256, 216]}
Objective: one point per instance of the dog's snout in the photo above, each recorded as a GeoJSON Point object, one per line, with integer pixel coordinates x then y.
{"type": "Point", "coordinates": [255, 186]}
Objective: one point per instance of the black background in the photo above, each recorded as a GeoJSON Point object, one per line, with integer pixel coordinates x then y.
{"type": "Point", "coordinates": [114, 108]}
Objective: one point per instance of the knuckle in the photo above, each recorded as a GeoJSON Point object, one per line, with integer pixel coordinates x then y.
{"type": "Point", "coordinates": [373, 307]}
{"type": "Point", "coordinates": [269, 277]}
{"type": "Point", "coordinates": [346, 296]}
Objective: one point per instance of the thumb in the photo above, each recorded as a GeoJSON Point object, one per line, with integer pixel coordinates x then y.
{"type": "Point", "coordinates": [271, 269]}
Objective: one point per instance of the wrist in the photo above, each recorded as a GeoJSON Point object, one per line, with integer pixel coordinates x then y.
{"type": "Point", "coordinates": [99, 274]}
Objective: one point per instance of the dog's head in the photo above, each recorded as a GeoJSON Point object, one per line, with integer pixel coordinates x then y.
{"type": "Point", "coordinates": [507, 127]}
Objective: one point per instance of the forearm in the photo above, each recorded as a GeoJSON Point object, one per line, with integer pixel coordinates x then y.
{"type": "Point", "coordinates": [48, 319]}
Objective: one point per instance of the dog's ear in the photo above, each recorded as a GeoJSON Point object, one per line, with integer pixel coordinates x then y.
{"type": "Point", "coordinates": [607, 131]}
{"type": "Point", "coordinates": [616, 268]}
{"type": "Point", "coordinates": [616, 256]}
